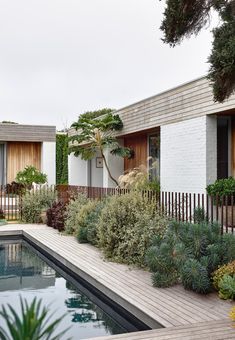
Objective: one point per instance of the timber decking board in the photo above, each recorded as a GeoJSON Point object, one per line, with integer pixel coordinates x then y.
{"type": "Point", "coordinates": [185, 314]}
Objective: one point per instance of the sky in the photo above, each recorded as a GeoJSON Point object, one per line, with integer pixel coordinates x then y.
{"type": "Point", "coordinates": [60, 58]}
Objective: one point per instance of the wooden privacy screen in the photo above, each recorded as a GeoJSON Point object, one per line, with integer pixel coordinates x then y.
{"type": "Point", "coordinates": [21, 154]}
{"type": "Point", "coordinates": [139, 144]}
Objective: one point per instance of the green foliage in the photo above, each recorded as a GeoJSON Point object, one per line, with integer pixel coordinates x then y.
{"type": "Point", "coordinates": [199, 215]}
{"type": "Point", "coordinates": [222, 187]}
{"type": "Point", "coordinates": [56, 215]}
{"type": "Point", "coordinates": [189, 253]}
{"type": "Point", "coordinates": [227, 287]}
{"type": "Point", "coordinates": [195, 277]}
{"type": "Point", "coordinates": [72, 213]}
{"type": "Point", "coordinates": [182, 18]}
{"type": "Point", "coordinates": [33, 323]}
{"type": "Point", "coordinates": [227, 269]}
{"type": "Point", "coordinates": [95, 114]}
{"type": "Point", "coordinates": [30, 175]}
{"type": "Point", "coordinates": [164, 279]}
{"type": "Point", "coordinates": [61, 159]}
{"type": "Point", "coordinates": [96, 136]}
{"type": "Point", "coordinates": [33, 203]}
{"type": "Point", "coordinates": [126, 227]}
{"type": "Point", "coordinates": [87, 221]}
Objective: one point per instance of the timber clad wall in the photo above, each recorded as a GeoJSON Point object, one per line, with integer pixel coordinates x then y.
{"type": "Point", "coordinates": [21, 154]}
{"type": "Point", "coordinates": [187, 101]}
{"type": "Point", "coordinates": [27, 133]}
{"type": "Point", "coordinates": [139, 145]}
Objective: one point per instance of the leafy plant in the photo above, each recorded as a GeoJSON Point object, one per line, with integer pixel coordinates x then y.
{"type": "Point", "coordinates": [182, 18]}
{"type": "Point", "coordinates": [227, 269]}
{"type": "Point", "coordinates": [34, 203]}
{"type": "Point", "coordinates": [72, 213]}
{"type": "Point", "coordinates": [127, 225]}
{"type": "Point", "coordinates": [87, 221]}
{"type": "Point", "coordinates": [15, 188]}
{"type": "Point", "coordinates": [195, 277]}
{"type": "Point", "coordinates": [232, 314]}
{"type": "Point", "coordinates": [2, 215]}
{"type": "Point", "coordinates": [30, 175]}
{"type": "Point", "coordinates": [97, 135]}
{"type": "Point", "coordinates": [33, 324]}
{"type": "Point", "coordinates": [56, 215]}
{"type": "Point", "coordinates": [227, 287]}
{"type": "Point", "coordinates": [189, 253]}
{"type": "Point", "coordinates": [62, 158]}
{"type": "Point", "coordinates": [222, 187]}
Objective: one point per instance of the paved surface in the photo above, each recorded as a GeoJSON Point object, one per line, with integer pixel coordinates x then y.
{"type": "Point", "coordinates": [184, 314]}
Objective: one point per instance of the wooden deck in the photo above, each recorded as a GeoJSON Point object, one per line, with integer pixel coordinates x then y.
{"type": "Point", "coordinates": [184, 314]}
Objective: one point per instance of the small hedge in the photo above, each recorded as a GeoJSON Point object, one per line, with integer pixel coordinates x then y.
{"type": "Point", "coordinates": [72, 213]}
{"type": "Point", "coordinates": [126, 227]}
{"type": "Point", "coordinates": [56, 215]}
{"type": "Point", "coordinates": [34, 203]}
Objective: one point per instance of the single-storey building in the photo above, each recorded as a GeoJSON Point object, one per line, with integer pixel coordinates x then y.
{"type": "Point", "coordinates": [189, 136]}
{"type": "Point", "coordinates": [22, 145]}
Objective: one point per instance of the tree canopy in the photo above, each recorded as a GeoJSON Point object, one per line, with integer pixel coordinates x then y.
{"type": "Point", "coordinates": [182, 18]}
{"type": "Point", "coordinates": [98, 135]}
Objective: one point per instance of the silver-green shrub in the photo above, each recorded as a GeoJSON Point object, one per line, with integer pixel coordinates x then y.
{"type": "Point", "coordinates": [33, 203]}
{"type": "Point", "coordinates": [73, 213]}
{"type": "Point", "coordinates": [127, 225]}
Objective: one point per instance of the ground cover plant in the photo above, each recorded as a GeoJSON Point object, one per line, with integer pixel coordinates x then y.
{"type": "Point", "coordinates": [189, 253]}
{"type": "Point", "coordinates": [127, 225]}
{"type": "Point", "coordinates": [224, 281]}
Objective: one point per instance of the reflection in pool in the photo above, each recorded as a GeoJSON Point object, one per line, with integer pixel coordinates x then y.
{"type": "Point", "coordinates": [23, 272]}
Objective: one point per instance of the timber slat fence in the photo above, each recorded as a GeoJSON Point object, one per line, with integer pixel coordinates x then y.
{"type": "Point", "coordinates": [185, 207]}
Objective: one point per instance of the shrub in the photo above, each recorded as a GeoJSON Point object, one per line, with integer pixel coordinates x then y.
{"type": "Point", "coordinates": [56, 215]}
{"type": "Point", "coordinates": [87, 221]}
{"type": "Point", "coordinates": [189, 253]}
{"type": "Point", "coordinates": [222, 187]}
{"type": "Point", "coordinates": [30, 175]}
{"type": "Point", "coordinates": [2, 215]}
{"type": "Point", "coordinates": [227, 269]}
{"type": "Point", "coordinates": [15, 188]}
{"type": "Point", "coordinates": [232, 314]}
{"type": "Point", "coordinates": [227, 287]}
{"type": "Point", "coordinates": [126, 227]}
{"type": "Point", "coordinates": [72, 212]}
{"type": "Point", "coordinates": [34, 203]}
{"type": "Point", "coordinates": [195, 277]}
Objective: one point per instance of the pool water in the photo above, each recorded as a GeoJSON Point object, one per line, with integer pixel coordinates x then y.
{"type": "Point", "coordinates": [24, 273]}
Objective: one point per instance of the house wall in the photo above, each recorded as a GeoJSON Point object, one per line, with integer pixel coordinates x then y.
{"type": "Point", "coordinates": [189, 155]}
{"type": "Point", "coordinates": [21, 154]}
{"type": "Point", "coordinates": [138, 144]}
{"type": "Point", "coordinates": [96, 174]}
{"type": "Point", "coordinates": [77, 171]}
{"type": "Point", "coordinates": [27, 133]}
{"type": "Point", "coordinates": [48, 161]}
{"type": "Point", "coordinates": [116, 166]}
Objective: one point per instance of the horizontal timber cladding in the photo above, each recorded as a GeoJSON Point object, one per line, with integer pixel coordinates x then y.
{"type": "Point", "coordinates": [21, 154]}
{"type": "Point", "coordinates": [187, 101]}
{"type": "Point", "coordinates": [138, 144]}
{"type": "Point", "coordinates": [27, 133]}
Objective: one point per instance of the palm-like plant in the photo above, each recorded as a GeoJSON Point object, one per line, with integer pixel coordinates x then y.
{"type": "Point", "coordinates": [34, 323]}
{"type": "Point", "coordinates": [98, 135]}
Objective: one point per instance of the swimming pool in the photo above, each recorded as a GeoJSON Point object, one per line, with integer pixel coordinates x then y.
{"type": "Point", "coordinates": [25, 272]}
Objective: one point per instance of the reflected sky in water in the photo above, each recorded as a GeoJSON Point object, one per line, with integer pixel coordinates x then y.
{"type": "Point", "coordinates": [24, 273]}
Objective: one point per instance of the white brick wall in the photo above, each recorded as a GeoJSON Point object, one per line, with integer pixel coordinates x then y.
{"type": "Point", "coordinates": [188, 155]}
{"type": "Point", "coordinates": [78, 171]}
{"type": "Point", "coordinates": [48, 161]}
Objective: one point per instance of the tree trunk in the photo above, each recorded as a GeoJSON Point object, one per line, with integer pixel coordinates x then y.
{"type": "Point", "coordinates": [109, 172]}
